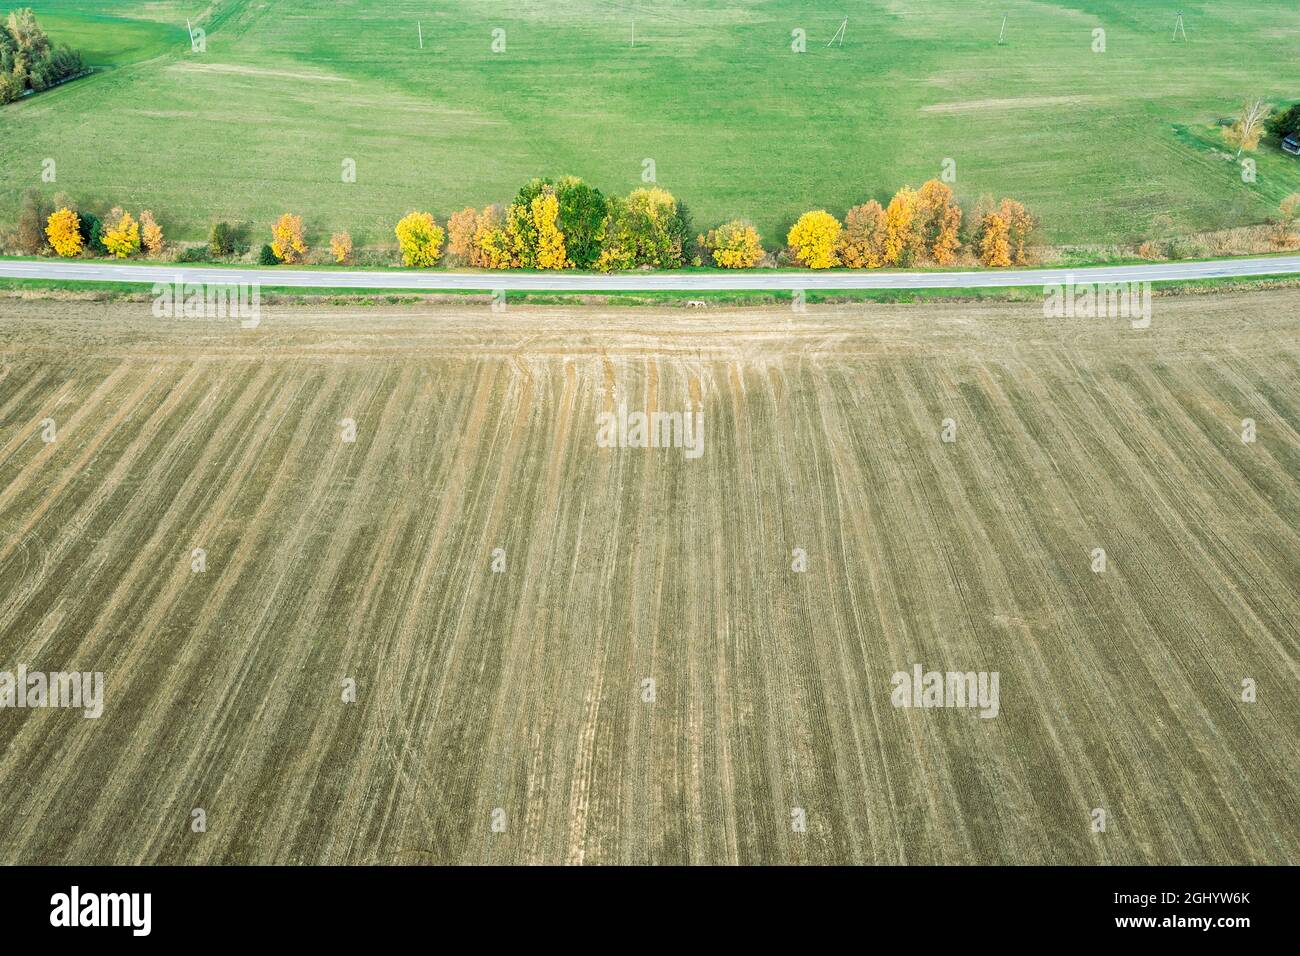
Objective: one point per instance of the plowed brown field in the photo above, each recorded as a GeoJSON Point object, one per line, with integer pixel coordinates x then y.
{"type": "Point", "coordinates": [522, 691]}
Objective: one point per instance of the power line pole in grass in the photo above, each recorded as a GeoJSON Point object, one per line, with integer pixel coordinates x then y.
{"type": "Point", "coordinates": [839, 34]}
{"type": "Point", "coordinates": [1178, 26]}
{"type": "Point", "coordinates": [420, 31]}
{"type": "Point", "coordinates": [1002, 35]}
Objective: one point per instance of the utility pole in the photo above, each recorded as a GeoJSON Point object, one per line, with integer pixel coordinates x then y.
{"type": "Point", "coordinates": [839, 34]}
{"type": "Point", "coordinates": [1178, 26]}
{"type": "Point", "coordinates": [1002, 36]}
{"type": "Point", "coordinates": [420, 28]}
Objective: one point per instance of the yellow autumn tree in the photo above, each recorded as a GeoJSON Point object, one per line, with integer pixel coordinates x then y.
{"type": "Point", "coordinates": [862, 243]}
{"type": "Point", "coordinates": [492, 247]}
{"type": "Point", "coordinates": [1246, 132]}
{"type": "Point", "coordinates": [63, 229]}
{"type": "Point", "coordinates": [121, 235]}
{"type": "Point", "coordinates": [420, 239]}
{"type": "Point", "coordinates": [341, 247]}
{"type": "Point", "coordinates": [902, 236]}
{"type": "Point", "coordinates": [995, 243]}
{"type": "Point", "coordinates": [286, 239]}
{"type": "Point", "coordinates": [939, 221]}
{"type": "Point", "coordinates": [814, 239]}
{"type": "Point", "coordinates": [550, 240]}
{"type": "Point", "coordinates": [461, 228]}
{"type": "Point", "coordinates": [733, 245]}
{"type": "Point", "coordinates": [151, 234]}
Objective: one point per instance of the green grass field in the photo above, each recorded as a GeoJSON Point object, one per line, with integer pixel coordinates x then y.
{"type": "Point", "coordinates": [1105, 147]}
{"type": "Point", "coordinates": [522, 690]}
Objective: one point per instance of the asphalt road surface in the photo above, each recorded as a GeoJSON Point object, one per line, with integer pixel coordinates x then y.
{"type": "Point", "coordinates": [645, 281]}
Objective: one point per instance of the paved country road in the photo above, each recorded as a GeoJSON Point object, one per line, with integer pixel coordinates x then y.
{"type": "Point", "coordinates": [646, 281]}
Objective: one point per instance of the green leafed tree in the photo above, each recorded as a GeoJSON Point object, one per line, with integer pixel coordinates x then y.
{"type": "Point", "coordinates": [583, 211]}
{"type": "Point", "coordinates": [28, 61]}
{"type": "Point", "coordinates": [645, 229]}
{"type": "Point", "coordinates": [1285, 122]}
{"type": "Point", "coordinates": [521, 227]}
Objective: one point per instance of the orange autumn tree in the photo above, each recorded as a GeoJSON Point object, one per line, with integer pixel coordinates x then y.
{"type": "Point", "coordinates": [994, 242]}
{"type": "Point", "coordinates": [1288, 216]}
{"type": "Point", "coordinates": [1020, 227]}
{"type": "Point", "coordinates": [63, 229]}
{"type": "Point", "coordinates": [814, 238]}
{"type": "Point", "coordinates": [862, 243]}
{"type": "Point", "coordinates": [902, 234]}
{"type": "Point", "coordinates": [492, 248]}
{"type": "Point", "coordinates": [461, 228]}
{"type": "Point", "coordinates": [151, 234]}
{"type": "Point", "coordinates": [939, 220]}
{"type": "Point", "coordinates": [286, 239]}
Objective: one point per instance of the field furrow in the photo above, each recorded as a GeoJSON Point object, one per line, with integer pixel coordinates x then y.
{"type": "Point", "coordinates": [569, 653]}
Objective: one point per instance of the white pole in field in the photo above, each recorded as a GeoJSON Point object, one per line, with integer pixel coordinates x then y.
{"type": "Point", "coordinates": [420, 28]}
{"type": "Point", "coordinates": [634, 32]}
{"type": "Point", "coordinates": [839, 34]}
{"type": "Point", "coordinates": [1003, 35]}
{"type": "Point", "coordinates": [1178, 26]}
{"type": "Point", "coordinates": [190, 30]}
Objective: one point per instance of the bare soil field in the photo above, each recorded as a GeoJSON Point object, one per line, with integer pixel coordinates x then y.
{"type": "Point", "coordinates": [504, 716]}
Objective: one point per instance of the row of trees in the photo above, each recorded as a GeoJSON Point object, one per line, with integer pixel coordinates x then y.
{"type": "Point", "coordinates": [568, 224]}
{"type": "Point", "coordinates": [556, 225]}
{"type": "Point", "coordinates": [549, 225]}
{"type": "Point", "coordinates": [29, 61]}
{"type": "Point", "coordinates": [648, 228]}
{"type": "Point", "coordinates": [69, 232]}
{"type": "Point", "coordinates": [918, 225]}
